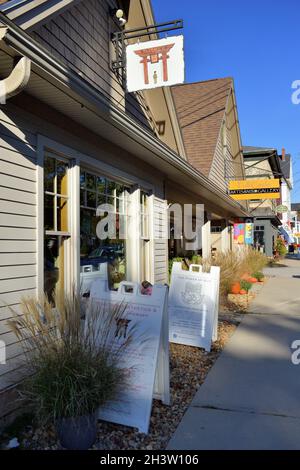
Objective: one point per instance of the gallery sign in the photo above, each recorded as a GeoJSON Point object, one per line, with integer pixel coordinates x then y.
{"type": "Point", "coordinates": [146, 357]}
{"type": "Point", "coordinates": [243, 190]}
{"type": "Point", "coordinates": [154, 64]}
{"type": "Point", "coordinates": [194, 306]}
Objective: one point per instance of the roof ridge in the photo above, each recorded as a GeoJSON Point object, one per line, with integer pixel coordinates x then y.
{"type": "Point", "coordinates": [203, 81]}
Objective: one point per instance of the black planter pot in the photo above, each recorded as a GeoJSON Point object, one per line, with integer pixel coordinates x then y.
{"type": "Point", "coordinates": [77, 433]}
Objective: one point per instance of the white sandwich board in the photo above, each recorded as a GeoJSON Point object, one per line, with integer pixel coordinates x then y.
{"type": "Point", "coordinates": [147, 357]}
{"type": "Point", "coordinates": [88, 275]}
{"type": "Point", "coordinates": [194, 305]}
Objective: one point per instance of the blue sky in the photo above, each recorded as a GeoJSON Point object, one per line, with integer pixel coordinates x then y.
{"type": "Point", "coordinates": [256, 43]}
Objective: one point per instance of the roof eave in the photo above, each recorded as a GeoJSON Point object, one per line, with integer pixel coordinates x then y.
{"type": "Point", "coordinates": [21, 42]}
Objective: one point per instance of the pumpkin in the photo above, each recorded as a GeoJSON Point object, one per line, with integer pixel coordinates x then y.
{"type": "Point", "coordinates": [235, 288]}
{"type": "Point", "coordinates": [253, 280]}
{"type": "Point", "coordinates": [243, 292]}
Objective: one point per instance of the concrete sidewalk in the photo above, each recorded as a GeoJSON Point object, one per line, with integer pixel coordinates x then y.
{"type": "Point", "coordinates": [251, 397]}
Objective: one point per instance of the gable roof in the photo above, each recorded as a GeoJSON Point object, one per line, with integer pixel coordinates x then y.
{"type": "Point", "coordinates": [250, 150]}
{"type": "Point", "coordinates": [285, 166]}
{"type": "Point", "coordinates": [200, 108]}
{"type": "Point", "coordinates": [296, 206]}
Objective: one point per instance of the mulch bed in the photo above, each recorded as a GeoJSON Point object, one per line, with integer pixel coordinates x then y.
{"type": "Point", "coordinates": [189, 367]}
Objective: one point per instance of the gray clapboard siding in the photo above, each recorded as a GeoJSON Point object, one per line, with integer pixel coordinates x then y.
{"type": "Point", "coordinates": [13, 220]}
{"type": "Point", "coordinates": [16, 284]}
{"type": "Point", "coordinates": [9, 168]}
{"type": "Point", "coordinates": [11, 272]}
{"type": "Point", "coordinates": [6, 312]}
{"type": "Point", "coordinates": [16, 159]}
{"type": "Point", "coordinates": [9, 194]}
{"type": "Point", "coordinates": [14, 182]}
{"type": "Point", "coordinates": [17, 233]}
{"type": "Point", "coordinates": [80, 37]}
{"type": "Point", "coordinates": [160, 244]}
{"type": "Point", "coordinates": [14, 298]}
{"type": "Point", "coordinates": [17, 227]}
{"type": "Point", "coordinates": [14, 259]}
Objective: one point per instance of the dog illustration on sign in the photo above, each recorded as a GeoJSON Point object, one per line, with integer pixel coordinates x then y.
{"type": "Point", "coordinates": [192, 294]}
{"type": "Point", "coordinates": [121, 327]}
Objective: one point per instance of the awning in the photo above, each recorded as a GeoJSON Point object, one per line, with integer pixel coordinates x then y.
{"type": "Point", "coordinates": [287, 236]}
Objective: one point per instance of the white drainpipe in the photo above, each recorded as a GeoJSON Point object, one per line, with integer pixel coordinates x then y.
{"type": "Point", "coordinates": [17, 79]}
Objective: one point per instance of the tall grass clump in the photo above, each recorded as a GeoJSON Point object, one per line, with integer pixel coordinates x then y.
{"type": "Point", "coordinates": [72, 366]}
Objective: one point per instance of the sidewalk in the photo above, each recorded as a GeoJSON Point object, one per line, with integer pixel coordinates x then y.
{"type": "Point", "coordinates": [251, 397]}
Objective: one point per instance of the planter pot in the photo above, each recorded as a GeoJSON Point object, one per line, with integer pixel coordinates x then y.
{"type": "Point", "coordinates": [77, 433]}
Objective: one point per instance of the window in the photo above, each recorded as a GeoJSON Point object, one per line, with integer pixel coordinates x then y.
{"type": "Point", "coordinates": [216, 229]}
{"type": "Point", "coordinates": [56, 223]}
{"type": "Point", "coordinates": [94, 191]}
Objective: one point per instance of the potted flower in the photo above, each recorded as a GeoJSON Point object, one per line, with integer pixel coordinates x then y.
{"type": "Point", "coordinates": [72, 369]}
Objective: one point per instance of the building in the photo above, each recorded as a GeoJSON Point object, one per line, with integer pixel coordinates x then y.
{"type": "Point", "coordinates": [295, 221]}
{"type": "Point", "coordinates": [263, 163]}
{"type": "Point", "coordinates": [286, 195]}
{"type": "Point", "coordinates": [208, 118]}
{"type": "Point", "coordinates": [71, 138]}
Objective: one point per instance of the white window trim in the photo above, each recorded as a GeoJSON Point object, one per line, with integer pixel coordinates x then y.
{"type": "Point", "coordinates": [45, 144]}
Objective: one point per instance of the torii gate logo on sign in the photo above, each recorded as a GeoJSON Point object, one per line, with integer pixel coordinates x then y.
{"type": "Point", "coordinates": [154, 64]}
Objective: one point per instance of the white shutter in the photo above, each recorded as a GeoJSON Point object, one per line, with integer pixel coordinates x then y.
{"type": "Point", "coordinates": [160, 240]}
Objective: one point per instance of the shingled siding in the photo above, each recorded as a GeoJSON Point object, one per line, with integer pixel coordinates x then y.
{"type": "Point", "coordinates": [80, 37]}
{"type": "Point", "coordinates": [222, 168]}
{"type": "Point", "coordinates": [18, 232]}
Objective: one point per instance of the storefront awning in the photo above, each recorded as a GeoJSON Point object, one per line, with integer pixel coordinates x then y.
{"type": "Point", "coordinates": [287, 236]}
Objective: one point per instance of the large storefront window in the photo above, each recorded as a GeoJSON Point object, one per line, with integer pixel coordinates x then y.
{"type": "Point", "coordinates": [56, 223]}
{"type": "Point", "coordinates": [94, 253]}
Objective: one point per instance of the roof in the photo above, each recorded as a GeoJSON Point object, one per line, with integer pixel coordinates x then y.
{"type": "Point", "coordinates": [200, 108]}
{"type": "Point", "coordinates": [250, 150]}
{"type": "Point", "coordinates": [262, 153]}
{"type": "Point", "coordinates": [285, 166]}
{"type": "Point", "coordinates": [29, 13]}
{"type": "Point", "coordinates": [296, 206]}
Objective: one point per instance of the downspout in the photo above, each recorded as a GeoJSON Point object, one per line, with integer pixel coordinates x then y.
{"type": "Point", "coordinates": [18, 78]}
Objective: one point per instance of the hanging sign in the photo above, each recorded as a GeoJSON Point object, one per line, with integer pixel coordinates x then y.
{"type": "Point", "coordinates": [281, 209]}
{"type": "Point", "coordinates": [239, 233]}
{"type": "Point", "coordinates": [146, 357]}
{"type": "Point", "coordinates": [243, 190]}
{"type": "Point", "coordinates": [194, 306]}
{"type": "Point", "coordinates": [154, 64]}
{"type": "Point", "coordinates": [249, 233]}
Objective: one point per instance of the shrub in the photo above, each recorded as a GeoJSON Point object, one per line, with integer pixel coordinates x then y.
{"type": "Point", "coordinates": [258, 275]}
{"type": "Point", "coordinates": [280, 247]}
{"type": "Point", "coordinates": [71, 370]}
{"type": "Point", "coordinates": [246, 285]}
{"type": "Point", "coordinates": [231, 269]}
{"type": "Point", "coordinates": [254, 260]}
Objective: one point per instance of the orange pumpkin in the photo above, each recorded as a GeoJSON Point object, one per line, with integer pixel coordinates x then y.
{"type": "Point", "coordinates": [243, 292]}
{"type": "Point", "coordinates": [235, 288]}
{"type": "Point", "coordinates": [253, 280]}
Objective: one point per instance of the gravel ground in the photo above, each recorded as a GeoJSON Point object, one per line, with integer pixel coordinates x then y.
{"type": "Point", "coordinates": [189, 367]}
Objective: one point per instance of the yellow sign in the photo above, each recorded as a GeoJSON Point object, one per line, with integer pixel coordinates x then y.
{"type": "Point", "coordinates": [297, 235]}
{"type": "Point", "coordinates": [254, 189]}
